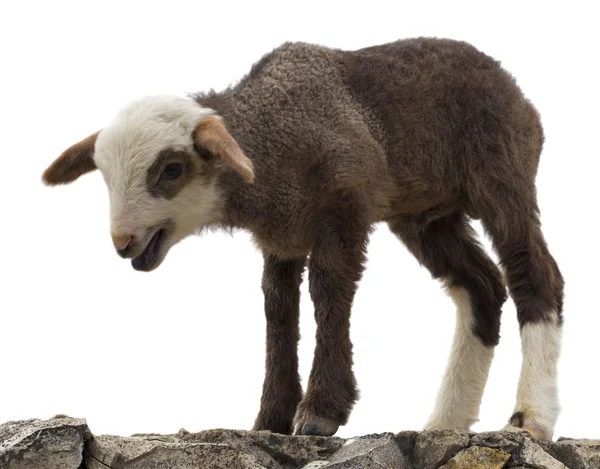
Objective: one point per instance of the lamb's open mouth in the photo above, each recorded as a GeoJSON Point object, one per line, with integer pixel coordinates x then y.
{"type": "Point", "coordinates": [146, 260]}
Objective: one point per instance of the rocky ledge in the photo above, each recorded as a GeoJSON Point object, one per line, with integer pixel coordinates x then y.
{"type": "Point", "coordinates": [67, 443]}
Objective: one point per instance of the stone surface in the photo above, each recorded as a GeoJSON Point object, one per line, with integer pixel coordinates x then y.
{"type": "Point", "coordinates": [158, 453]}
{"type": "Point", "coordinates": [373, 451]}
{"type": "Point", "coordinates": [510, 442]}
{"type": "Point", "coordinates": [576, 454]}
{"type": "Point", "coordinates": [235, 449]}
{"type": "Point", "coordinates": [407, 440]}
{"type": "Point", "coordinates": [533, 455]}
{"type": "Point", "coordinates": [66, 443]}
{"type": "Point", "coordinates": [298, 450]}
{"type": "Point", "coordinates": [49, 444]}
{"type": "Point", "coordinates": [478, 457]}
{"type": "Point", "coordinates": [434, 448]}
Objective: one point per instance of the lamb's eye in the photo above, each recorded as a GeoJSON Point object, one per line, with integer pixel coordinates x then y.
{"type": "Point", "coordinates": [172, 171]}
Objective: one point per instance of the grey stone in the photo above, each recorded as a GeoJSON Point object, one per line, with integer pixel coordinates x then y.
{"type": "Point", "coordinates": [533, 455]}
{"type": "Point", "coordinates": [59, 443]}
{"type": "Point", "coordinates": [295, 450]}
{"type": "Point", "coordinates": [434, 448]}
{"type": "Point", "coordinates": [576, 454]}
{"type": "Point", "coordinates": [478, 457]}
{"type": "Point", "coordinates": [406, 441]}
{"type": "Point", "coordinates": [507, 441]}
{"type": "Point", "coordinates": [221, 448]}
{"type": "Point", "coordinates": [43, 444]}
{"type": "Point", "coordinates": [146, 452]}
{"type": "Point", "coordinates": [373, 451]}
{"type": "Point", "coordinates": [316, 465]}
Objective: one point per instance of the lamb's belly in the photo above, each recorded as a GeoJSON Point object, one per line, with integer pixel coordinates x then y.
{"type": "Point", "coordinates": [287, 245]}
{"type": "Point", "coordinates": [418, 201]}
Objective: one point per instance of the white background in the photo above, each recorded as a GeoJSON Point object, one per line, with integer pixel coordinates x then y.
{"type": "Point", "coordinates": [82, 333]}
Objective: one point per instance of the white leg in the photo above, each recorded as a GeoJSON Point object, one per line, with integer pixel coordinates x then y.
{"type": "Point", "coordinates": [537, 405]}
{"type": "Point", "coordinates": [459, 397]}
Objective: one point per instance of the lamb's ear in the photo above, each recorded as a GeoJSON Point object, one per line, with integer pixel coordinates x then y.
{"type": "Point", "coordinates": [74, 161]}
{"type": "Point", "coordinates": [211, 135]}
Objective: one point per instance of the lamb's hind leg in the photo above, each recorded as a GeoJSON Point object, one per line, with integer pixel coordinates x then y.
{"type": "Point", "coordinates": [536, 286]}
{"type": "Point", "coordinates": [449, 249]}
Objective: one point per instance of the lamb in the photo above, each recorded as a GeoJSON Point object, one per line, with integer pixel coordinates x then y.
{"type": "Point", "coordinates": [310, 150]}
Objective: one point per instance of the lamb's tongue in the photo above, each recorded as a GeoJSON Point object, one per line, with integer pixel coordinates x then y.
{"type": "Point", "coordinates": [145, 260]}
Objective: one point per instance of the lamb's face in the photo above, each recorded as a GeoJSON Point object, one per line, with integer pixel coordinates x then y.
{"type": "Point", "coordinates": [159, 158]}
{"type": "Point", "coordinates": [161, 190]}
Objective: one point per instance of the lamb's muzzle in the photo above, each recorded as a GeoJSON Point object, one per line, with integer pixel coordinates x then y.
{"type": "Point", "coordinates": [122, 241]}
{"type": "Point", "coordinates": [146, 251]}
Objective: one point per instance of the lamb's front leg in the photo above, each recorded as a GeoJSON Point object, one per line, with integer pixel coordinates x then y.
{"type": "Point", "coordinates": [335, 267]}
{"type": "Point", "coordinates": [281, 390]}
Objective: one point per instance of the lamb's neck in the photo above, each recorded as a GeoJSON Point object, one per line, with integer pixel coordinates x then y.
{"type": "Point", "coordinates": [240, 207]}
{"type": "Point", "coordinates": [242, 203]}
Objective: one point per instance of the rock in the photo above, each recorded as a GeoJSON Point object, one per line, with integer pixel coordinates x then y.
{"type": "Point", "coordinates": [43, 444]}
{"type": "Point", "coordinates": [434, 448]}
{"type": "Point", "coordinates": [66, 443]}
{"type": "Point", "coordinates": [240, 449]}
{"type": "Point", "coordinates": [478, 457]}
{"type": "Point", "coordinates": [533, 455]}
{"type": "Point", "coordinates": [406, 441]}
{"type": "Point", "coordinates": [373, 451]}
{"type": "Point", "coordinates": [510, 442]}
{"type": "Point", "coordinates": [233, 449]}
{"type": "Point", "coordinates": [576, 454]}
{"type": "Point", "coordinates": [153, 453]}
{"type": "Point", "coordinates": [297, 450]}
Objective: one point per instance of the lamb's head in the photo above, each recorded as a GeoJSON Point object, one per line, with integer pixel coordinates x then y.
{"type": "Point", "coordinates": [160, 159]}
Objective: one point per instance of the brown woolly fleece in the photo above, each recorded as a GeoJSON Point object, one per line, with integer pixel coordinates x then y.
{"type": "Point", "coordinates": [424, 134]}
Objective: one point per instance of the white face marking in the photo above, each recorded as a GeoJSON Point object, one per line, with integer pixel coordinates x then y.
{"type": "Point", "coordinates": [537, 395]}
{"type": "Point", "coordinates": [459, 397]}
{"type": "Point", "coordinates": [124, 152]}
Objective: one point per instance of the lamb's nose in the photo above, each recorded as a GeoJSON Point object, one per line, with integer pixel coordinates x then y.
{"type": "Point", "coordinates": [122, 242]}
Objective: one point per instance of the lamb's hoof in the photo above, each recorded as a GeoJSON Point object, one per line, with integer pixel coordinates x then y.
{"type": "Point", "coordinates": [538, 432]}
{"type": "Point", "coordinates": [308, 424]}
{"type": "Point", "coordinates": [524, 422]}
